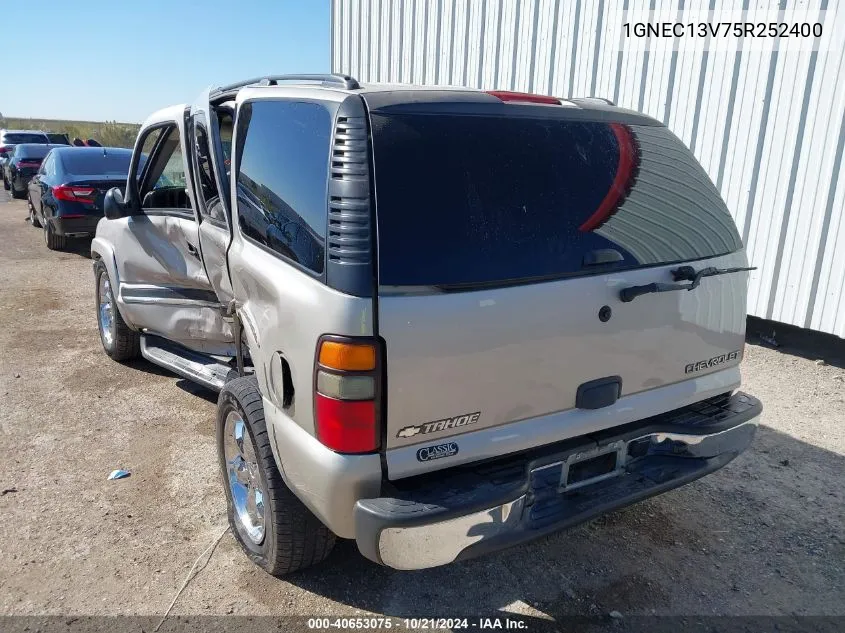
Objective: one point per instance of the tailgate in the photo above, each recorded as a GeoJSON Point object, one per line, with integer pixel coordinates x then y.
{"type": "Point", "coordinates": [503, 245]}
{"type": "Point", "coordinates": [461, 362]}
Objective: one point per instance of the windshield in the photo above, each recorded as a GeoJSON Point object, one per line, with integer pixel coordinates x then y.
{"type": "Point", "coordinates": [24, 137]}
{"type": "Point", "coordinates": [82, 163]}
{"type": "Point", "coordinates": [467, 200]}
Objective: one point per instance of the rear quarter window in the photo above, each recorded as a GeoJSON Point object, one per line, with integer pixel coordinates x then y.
{"type": "Point", "coordinates": [282, 178]}
{"type": "Point", "coordinates": [466, 200]}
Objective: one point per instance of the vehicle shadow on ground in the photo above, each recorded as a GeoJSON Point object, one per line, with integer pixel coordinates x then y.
{"type": "Point", "coordinates": [746, 539]}
{"type": "Point", "coordinates": [796, 341]}
{"type": "Point", "coordinates": [145, 366]}
{"type": "Point", "coordinates": [81, 247]}
{"type": "Point", "coordinates": [188, 386]}
{"type": "Point", "coordinates": [73, 246]}
{"type": "Point", "coordinates": [194, 389]}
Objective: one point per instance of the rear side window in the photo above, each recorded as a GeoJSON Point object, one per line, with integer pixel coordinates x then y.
{"type": "Point", "coordinates": [59, 139]}
{"type": "Point", "coordinates": [48, 166]}
{"type": "Point", "coordinates": [211, 206]}
{"type": "Point", "coordinates": [282, 178]}
{"type": "Point", "coordinates": [82, 162]}
{"type": "Point", "coordinates": [480, 200]}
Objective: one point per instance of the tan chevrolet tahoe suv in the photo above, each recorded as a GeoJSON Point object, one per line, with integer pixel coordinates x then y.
{"type": "Point", "coordinates": [441, 321]}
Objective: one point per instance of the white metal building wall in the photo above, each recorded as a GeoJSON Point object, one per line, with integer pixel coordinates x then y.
{"type": "Point", "coordinates": [768, 126]}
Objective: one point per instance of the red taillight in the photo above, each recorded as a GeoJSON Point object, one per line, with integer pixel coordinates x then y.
{"type": "Point", "coordinates": [525, 97]}
{"type": "Point", "coordinates": [625, 170]}
{"type": "Point", "coordinates": [346, 426]}
{"type": "Point", "coordinates": [4, 149]}
{"type": "Point", "coordinates": [74, 194]}
{"type": "Point", "coordinates": [346, 381]}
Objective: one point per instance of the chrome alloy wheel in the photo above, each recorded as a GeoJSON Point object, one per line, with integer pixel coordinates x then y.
{"type": "Point", "coordinates": [105, 310]}
{"type": "Point", "coordinates": [242, 473]}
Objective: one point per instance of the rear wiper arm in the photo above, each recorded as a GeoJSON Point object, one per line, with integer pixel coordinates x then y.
{"type": "Point", "coordinates": [684, 273]}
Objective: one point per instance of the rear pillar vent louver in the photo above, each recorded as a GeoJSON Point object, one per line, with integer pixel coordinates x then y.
{"type": "Point", "coordinates": [349, 241]}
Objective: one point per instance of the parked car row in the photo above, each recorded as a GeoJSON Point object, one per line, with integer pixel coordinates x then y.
{"type": "Point", "coordinates": [10, 138]}
{"type": "Point", "coordinates": [64, 184]}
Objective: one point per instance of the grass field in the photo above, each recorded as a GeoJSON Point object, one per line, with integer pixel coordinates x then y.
{"type": "Point", "coordinates": [108, 133]}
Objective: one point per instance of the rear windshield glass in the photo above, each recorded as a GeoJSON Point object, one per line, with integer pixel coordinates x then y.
{"type": "Point", "coordinates": [473, 200]}
{"type": "Point", "coordinates": [33, 151]}
{"type": "Point", "coordinates": [81, 162]}
{"type": "Point", "coordinates": [23, 137]}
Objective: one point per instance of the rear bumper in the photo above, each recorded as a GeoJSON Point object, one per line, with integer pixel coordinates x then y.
{"type": "Point", "coordinates": [76, 227]}
{"type": "Point", "coordinates": [468, 512]}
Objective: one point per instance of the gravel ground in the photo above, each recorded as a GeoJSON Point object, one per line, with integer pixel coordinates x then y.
{"type": "Point", "coordinates": [763, 536]}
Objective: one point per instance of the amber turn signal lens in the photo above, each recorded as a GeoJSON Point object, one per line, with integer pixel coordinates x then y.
{"type": "Point", "coordinates": [348, 356]}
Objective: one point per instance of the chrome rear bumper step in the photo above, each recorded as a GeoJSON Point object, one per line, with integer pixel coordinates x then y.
{"type": "Point", "coordinates": [465, 511]}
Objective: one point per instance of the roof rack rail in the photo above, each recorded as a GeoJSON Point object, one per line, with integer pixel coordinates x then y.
{"type": "Point", "coordinates": [344, 81]}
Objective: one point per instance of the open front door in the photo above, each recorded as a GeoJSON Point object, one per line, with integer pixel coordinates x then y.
{"type": "Point", "coordinates": [161, 285]}
{"type": "Point", "coordinates": [210, 142]}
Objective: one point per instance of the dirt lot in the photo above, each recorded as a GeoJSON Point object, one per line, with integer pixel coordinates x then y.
{"type": "Point", "coordinates": [764, 536]}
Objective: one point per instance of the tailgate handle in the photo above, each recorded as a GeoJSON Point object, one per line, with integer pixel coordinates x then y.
{"type": "Point", "coordinates": [598, 393]}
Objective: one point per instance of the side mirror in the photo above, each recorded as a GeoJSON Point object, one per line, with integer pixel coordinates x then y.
{"type": "Point", "coordinates": [113, 206]}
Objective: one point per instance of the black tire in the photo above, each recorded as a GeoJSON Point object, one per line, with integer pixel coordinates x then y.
{"type": "Point", "coordinates": [18, 195]}
{"type": "Point", "coordinates": [5, 183]}
{"type": "Point", "coordinates": [293, 537]}
{"type": "Point", "coordinates": [125, 342]}
{"type": "Point", "coordinates": [54, 242]}
{"type": "Point", "coordinates": [33, 219]}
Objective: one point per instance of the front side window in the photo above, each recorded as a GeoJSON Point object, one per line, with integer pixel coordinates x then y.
{"type": "Point", "coordinates": [282, 178]}
{"type": "Point", "coordinates": [173, 174]}
{"type": "Point", "coordinates": [164, 178]}
{"type": "Point", "coordinates": [147, 148]}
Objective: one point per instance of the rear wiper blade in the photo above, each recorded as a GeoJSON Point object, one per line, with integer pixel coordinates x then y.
{"type": "Point", "coordinates": [684, 273]}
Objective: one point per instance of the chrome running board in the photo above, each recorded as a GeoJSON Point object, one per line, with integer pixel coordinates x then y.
{"type": "Point", "coordinates": [194, 366]}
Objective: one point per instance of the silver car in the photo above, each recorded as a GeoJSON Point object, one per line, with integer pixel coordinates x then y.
{"type": "Point", "coordinates": [441, 321]}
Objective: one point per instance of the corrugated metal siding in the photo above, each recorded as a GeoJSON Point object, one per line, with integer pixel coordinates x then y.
{"type": "Point", "coordinates": [768, 127]}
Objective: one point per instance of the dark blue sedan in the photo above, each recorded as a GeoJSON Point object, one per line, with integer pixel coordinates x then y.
{"type": "Point", "coordinates": [66, 195]}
